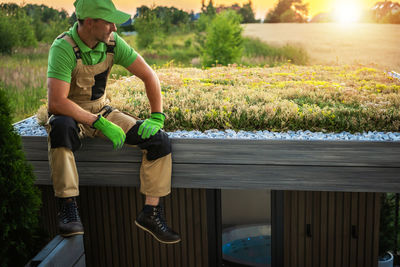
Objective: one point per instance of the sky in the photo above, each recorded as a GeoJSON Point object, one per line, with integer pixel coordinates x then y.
{"type": "Point", "coordinates": [260, 7]}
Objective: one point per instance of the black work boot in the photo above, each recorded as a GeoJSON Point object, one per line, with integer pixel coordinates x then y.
{"type": "Point", "coordinates": [152, 220]}
{"type": "Point", "coordinates": [69, 222]}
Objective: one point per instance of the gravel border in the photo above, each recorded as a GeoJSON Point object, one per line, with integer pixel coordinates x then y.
{"type": "Point", "coordinates": [30, 127]}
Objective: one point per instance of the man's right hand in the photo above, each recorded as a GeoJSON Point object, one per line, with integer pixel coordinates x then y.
{"type": "Point", "coordinates": [111, 130]}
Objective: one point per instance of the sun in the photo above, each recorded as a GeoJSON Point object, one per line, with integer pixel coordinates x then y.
{"type": "Point", "coordinates": [347, 12]}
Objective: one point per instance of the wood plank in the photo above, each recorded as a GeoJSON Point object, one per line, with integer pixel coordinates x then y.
{"type": "Point", "coordinates": [347, 179]}
{"type": "Point", "coordinates": [294, 229]}
{"type": "Point", "coordinates": [377, 213]}
{"type": "Point", "coordinates": [354, 224]}
{"type": "Point", "coordinates": [197, 228]}
{"type": "Point", "coordinates": [287, 215]}
{"type": "Point", "coordinates": [127, 220]}
{"type": "Point", "coordinates": [166, 252]}
{"type": "Point", "coordinates": [253, 152]}
{"type": "Point", "coordinates": [369, 230]}
{"type": "Point", "coordinates": [346, 229]}
{"type": "Point", "coordinates": [316, 222]}
{"type": "Point", "coordinates": [134, 230]}
{"type": "Point", "coordinates": [361, 236]}
{"type": "Point", "coordinates": [278, 224]}
{"type": "Point", "coordinates": [176, 225]}
{"type": "Point", "coordinates": [190, 226]}
{"type": "Point", "coordinates": [120, 232]}
{"type": "Point", "coordinates": [183, 227]}
{"type": "Point", "coordinates": [89, 228]}
{"type": "Point", "coordinates": [339, 229]}
{"type": "Point", "coordinates": [323, 228]}
{"type": "Point", "coordinates": [105, 208]}
{"type": "Point", "coordinates": [331, 245]}
{"type": "Point", "coordinates": [301, 242]}
{"type": "Point", "coordinates": [309, 224]}
{"type": "Point", "coordinates": [204, 226]}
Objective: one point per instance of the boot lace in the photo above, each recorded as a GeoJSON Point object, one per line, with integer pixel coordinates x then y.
{"type": "Point", "coordinates": [69, 212]}
{"type": "Point", "coordinates": [160, 219]}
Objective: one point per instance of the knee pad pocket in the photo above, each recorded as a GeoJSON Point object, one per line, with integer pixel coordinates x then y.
{"type": "Point", "coordinates": [64, 132]}
{"type": "Point", "coordinates": [157, 146]}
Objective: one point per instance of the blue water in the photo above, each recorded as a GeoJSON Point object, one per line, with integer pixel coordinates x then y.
{"type": "Point", "coordinates": [255, 250]}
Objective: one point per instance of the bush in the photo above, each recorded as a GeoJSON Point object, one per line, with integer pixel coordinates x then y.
{"type": "Point", "coordinates": [17, 31]}
{"type": "Point", "coordinates": [19, 198]}
{"type": "Point", "coordinates": [148, 28]}
{"type": "Point", "coordinates": [224, 41]}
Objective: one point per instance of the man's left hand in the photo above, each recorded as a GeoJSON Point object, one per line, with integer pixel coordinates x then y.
{"type": "Point", "coordinates": [152, 125]}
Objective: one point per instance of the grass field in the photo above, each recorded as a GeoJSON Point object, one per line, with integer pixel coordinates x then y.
{"type": "Point", "coordinates": [329, 43]}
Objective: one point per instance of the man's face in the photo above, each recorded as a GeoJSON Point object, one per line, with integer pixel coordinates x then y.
{"type": "Point", "coordinates": [102, 30]}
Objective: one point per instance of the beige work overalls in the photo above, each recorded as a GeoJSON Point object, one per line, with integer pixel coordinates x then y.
{"type": "Point", "coordinates": [155, 175]}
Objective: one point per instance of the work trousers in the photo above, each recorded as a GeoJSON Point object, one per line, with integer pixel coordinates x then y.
{"type": "Point", "coordinates": [64, 138]}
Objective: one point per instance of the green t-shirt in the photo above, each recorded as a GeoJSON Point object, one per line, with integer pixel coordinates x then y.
{"type": "Point", "coordinates": [62, 58]}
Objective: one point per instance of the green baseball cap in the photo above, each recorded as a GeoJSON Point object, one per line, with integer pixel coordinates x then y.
{"type": "Point", "coordinates": [99, 9]}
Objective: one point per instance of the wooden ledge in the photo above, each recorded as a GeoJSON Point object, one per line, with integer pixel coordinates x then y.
{"type": "Point", "coordinates": [352, 166]}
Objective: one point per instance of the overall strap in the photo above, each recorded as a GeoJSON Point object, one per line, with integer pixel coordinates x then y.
{"type": "Point", "coordinates": [71, 41]}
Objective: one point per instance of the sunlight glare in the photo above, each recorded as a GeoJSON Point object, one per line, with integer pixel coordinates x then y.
{"type": "Point", "coordinates": [347, 12]}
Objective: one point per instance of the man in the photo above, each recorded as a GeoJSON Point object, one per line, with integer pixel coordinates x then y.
{"type": "Point", "coordinates": [79, 63]}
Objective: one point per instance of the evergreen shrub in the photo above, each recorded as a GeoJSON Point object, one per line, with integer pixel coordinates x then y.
{"type": "Point", "coordinates": [224, 41]}
{"type": "Point", "coordinates": [19, 198]}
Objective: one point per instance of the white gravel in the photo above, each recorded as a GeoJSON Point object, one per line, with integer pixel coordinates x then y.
{"type": "Point", "coordinates": [30, 127]}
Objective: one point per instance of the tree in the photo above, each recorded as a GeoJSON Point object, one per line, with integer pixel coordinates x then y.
{"type": "Point", "coordinates": [224, 41]}
{"type": "Point", "coordinates": [19, 198]}
{"type": "Point", "coordinates": [299, 14]}
{"type": "Point", "coordinates": [15, 28]}
{"type": "Point", "coordinates": [247, 13]}
{"type": "Point", "coordinates": [147, 26]}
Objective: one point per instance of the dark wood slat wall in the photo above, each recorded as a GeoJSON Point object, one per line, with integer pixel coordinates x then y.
{"type": "Point", "coordinates": [112, 239]}
{"type": "Point", "coordinates": [331, 228]}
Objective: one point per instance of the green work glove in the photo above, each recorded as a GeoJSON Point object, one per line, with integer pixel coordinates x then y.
{"type": "Point", "coordinates": [111, 130]}
{"type": "Point", "coordinates": [151, 126]}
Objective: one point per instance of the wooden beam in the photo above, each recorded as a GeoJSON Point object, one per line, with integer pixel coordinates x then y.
{"type": "Point", "coordinates": [273, 164]}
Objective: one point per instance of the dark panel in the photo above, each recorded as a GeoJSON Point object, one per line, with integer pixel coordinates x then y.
{"type": "Point", "coordinates": [214, 228]}
{"type": "Point", "coordinates": [340, 229]}
{"type": "Point", "coordinates": [277, 228]}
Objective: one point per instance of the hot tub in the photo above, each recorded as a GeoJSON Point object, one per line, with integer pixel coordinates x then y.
{"type": "Point", "coordinates": [248, 245]}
